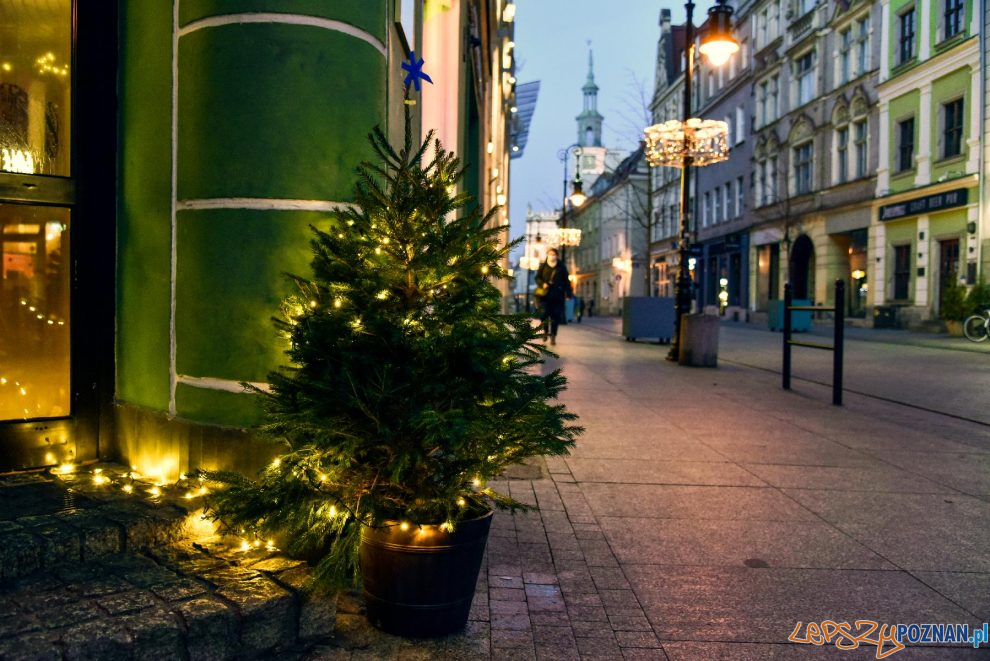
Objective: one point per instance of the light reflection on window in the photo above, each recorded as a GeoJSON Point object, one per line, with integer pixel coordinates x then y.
{"type": "Point", "coordinates": [35, 86]}
{"type": "Point", "coordinates": [34, 312]}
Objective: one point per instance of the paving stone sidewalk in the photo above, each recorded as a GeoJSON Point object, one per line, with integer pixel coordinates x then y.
{"type": "Point", "coordinates": [706, 512]}
{"type": "Point", "coordinates": [703, 514]}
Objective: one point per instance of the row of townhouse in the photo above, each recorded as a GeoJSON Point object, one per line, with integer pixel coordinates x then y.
{"type": "Point", "coordinates": [855, 133]}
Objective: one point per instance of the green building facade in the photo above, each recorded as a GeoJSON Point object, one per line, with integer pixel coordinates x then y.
{"type": "Point", "coordinates": [925, 229]}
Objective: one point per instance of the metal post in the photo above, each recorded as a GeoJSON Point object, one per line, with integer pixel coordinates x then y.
{"type": "Point", "coordinates": [682, 292]}
{"type": "Point", "coordinates": [529, 278]}
{"type": "Point", "coordinates": [786, 366]}
{"type": "Point", "coordinates": [563, 214]}
{"type": "Point", "coordinates": [837, 343]}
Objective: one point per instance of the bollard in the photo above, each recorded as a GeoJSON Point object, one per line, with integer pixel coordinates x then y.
{"type": "Point", "coordinates": [786, 365]}
{"type": "Point", "coordinates": [838, 341]}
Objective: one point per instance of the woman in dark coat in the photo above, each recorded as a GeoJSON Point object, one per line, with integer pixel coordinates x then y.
{"type": "Point", "coordinates": [553, 287]}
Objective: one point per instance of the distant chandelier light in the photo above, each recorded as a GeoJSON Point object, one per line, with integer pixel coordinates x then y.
{"type": "Point", "coordinates": [622, 264]}
{"type": "Point", "coordinates": [568, 236]}
{"type": "Point", "coordinates": [707, 142]}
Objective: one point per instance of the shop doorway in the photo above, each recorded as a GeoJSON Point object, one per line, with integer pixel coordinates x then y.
{"type": "Point", "coordinates": [56, 265]}
{"type": "Point", "coordinates": [802, 264]}
{"type": "Point", "coordinates": [948, 266]}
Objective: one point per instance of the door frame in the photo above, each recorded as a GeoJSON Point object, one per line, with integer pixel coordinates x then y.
{"type": "Point", "coordinates": [90, 194]}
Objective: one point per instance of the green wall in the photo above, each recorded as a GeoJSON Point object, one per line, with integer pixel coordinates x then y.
{"type": "Point", "coordinates": [950, 87]}
{"type": "Point", "coordinates": [901, 108]}
{"type": "Point", "coordinates": [144, 212]}
{"type": "Point", "coordinates": [272, 111]}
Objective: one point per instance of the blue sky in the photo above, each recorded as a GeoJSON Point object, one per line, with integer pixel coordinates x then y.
{"type": "Point", "coordinates": [551, 45]}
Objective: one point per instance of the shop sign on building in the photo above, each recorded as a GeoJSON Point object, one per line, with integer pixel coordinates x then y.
{"type": "Point", "coordinates": [927, 204]}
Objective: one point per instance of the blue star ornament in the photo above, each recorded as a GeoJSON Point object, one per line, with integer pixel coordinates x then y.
{"type": "Point", "coordinates": [415, 69]}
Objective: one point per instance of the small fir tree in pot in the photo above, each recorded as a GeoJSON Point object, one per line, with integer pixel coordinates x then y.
{"type": "Point", "coordinates": [408, 388]}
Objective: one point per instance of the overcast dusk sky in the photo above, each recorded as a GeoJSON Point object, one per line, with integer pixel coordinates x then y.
{"type": "Point", "coordinates": [551, 46]}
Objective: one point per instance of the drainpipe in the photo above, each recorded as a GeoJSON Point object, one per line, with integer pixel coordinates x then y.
{"type": "Point", "coordinates": [981, 211]}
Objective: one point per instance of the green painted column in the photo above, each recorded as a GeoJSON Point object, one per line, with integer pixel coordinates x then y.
{"type": "Point", "coordinates": [242, 123]}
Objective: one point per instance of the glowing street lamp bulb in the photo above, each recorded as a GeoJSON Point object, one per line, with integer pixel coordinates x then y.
{"type": "Point", "coordinates": [718, 51]}
{"type": "Point", "coordinates": [99, 479]}
{"type": "Point", "coordinates": [155, 492]}
{"type": "Point", "coordinates": [64, 469]}
{"type": "Point", "coordinates": [128, 488]}
{"type": "Point", "coordinates": [461, 502]}
{"type": "Point", "coordinates": [404, 526]}
{"type": "Point", "coordinates": [245, 546]}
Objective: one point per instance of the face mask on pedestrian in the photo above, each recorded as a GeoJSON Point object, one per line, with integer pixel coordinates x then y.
{"type": "Point", "coordinates": [552, 260]}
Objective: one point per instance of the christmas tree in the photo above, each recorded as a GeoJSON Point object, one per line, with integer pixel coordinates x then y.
{"type": "Point", "coordinates": [408, 388]}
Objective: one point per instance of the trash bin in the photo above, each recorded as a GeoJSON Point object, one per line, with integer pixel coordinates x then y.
{"type": "Point", "coordinates": [699, 340]}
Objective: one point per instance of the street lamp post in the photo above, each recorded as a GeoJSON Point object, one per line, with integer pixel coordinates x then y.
{"type": "Point", "coordinates": [701, 143]}
{"type": "Point", "coordinates": [576, 198]}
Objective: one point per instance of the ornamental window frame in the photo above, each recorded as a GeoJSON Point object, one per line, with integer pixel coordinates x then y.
{"type": "Point", "coordinates": [805, 68]}
{"type": "Point", "coordinates": [907, 34]}
{"type": "Point", "coordinates": [904, 150]}
{"type": "Point", "coordinates": [803, 157]}
{"type": "Point", "coordinates": [951, 135]}
{"type": "Point", "coordinates": [953, 18]}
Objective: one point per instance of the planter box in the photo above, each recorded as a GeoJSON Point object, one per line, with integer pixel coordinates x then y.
{"type": "Point", "coordinates": [800, 320]}
{"type": "Point", "coordinates": [699, 340]}
{"type": "Point", "coordinates": [648, 316]}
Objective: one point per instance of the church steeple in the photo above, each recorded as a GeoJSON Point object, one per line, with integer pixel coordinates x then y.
{"type": "Point", "coordinates": [589, 122]}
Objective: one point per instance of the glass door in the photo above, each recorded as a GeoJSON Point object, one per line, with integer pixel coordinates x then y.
{"type": "Point", "coordinates": [36, 215]}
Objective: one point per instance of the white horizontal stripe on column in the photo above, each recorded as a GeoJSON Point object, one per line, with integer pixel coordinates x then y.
{"type": "Point", "coordinates": [209, 383]}
{"type": "Point", "coordinates": [289, 19]}
{"type": "Point", "coordinates": [260, 204]}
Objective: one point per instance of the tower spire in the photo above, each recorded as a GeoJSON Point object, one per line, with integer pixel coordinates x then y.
{"type": "Point", "coordinates": [591, 65]}
{"type": "Point", "coordinates": [590, 121]}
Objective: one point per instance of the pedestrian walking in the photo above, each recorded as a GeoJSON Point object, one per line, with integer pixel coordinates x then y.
{"type": "Point", "coordinates": [580, 308]}
{"type": "Point", "coordinates": [591, 308]}
{"type": "Point", "coordinates": [553, 287]}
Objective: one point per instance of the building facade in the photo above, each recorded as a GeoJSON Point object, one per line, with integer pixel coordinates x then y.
{"type": "Point", "coordinates": [724, 189]}
{"type": "Point", "coordinates": [666, 104]}
{"type": "Point", "coordinates": [160, 166]}
{"type": "Point", "coordinates": [926, 218]}
{"type": "Point", "coordinates": [610, 263]}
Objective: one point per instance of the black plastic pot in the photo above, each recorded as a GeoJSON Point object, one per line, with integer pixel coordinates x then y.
{"type": "Point", "coordinates": [419, 582]}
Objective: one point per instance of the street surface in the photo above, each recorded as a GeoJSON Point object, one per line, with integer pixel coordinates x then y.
{"type": "Point", "coordinates": [705, 512]}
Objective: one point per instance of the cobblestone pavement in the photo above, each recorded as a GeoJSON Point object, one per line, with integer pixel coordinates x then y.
{"type": "Point", "coordinates": [94, 572]}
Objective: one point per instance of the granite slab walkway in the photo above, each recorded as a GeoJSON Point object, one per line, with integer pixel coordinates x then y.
{"type": "Point", "coordinates": [702, 516]}
{"type": "Point", "coordinates": [706, 512]}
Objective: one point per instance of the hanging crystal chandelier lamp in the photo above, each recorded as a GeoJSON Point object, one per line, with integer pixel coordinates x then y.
{"type": "Point", "coordinates": [568, 236]}
{"type": "Point", "coordinates": [705, 141]}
